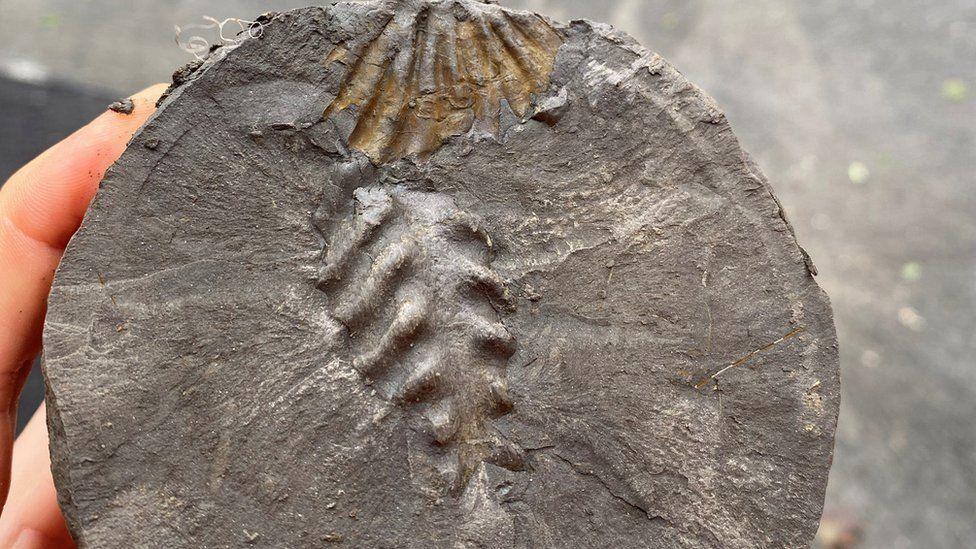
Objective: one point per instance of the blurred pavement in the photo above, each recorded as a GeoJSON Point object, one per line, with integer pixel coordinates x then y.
{"type": "Point", "coordinates": [862, 113]}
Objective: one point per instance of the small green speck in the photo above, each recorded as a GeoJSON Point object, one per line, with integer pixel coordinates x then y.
{"type": "Point", "coordinates": [51, 21]}
{"type": "Point", "coordinates": [955, 90]}
{"type": "Point", "coordinates": [911, 271]}
{"type": "Point", "coordinates": [858, 173]}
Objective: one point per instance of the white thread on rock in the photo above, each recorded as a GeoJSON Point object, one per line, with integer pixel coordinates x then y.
{"type": "Point", "coordinates": [199, 45]}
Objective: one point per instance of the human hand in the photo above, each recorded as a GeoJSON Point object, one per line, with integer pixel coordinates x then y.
{"type": "Point", "coordinates": [41, 206]}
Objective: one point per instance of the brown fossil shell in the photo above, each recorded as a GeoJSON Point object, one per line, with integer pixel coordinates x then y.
{"type": "Point", "coordinates": [441, 69]}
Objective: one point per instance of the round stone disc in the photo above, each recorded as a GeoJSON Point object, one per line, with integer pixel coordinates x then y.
{"type": "Point", "coordinates": [438, 274]}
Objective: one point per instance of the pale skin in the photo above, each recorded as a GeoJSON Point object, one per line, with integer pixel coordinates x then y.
{"type": "Point", "coordinates": [41, 206]}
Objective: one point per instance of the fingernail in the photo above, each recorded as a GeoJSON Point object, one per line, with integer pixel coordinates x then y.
{"type": "Point", "coordinates": [29, 539]}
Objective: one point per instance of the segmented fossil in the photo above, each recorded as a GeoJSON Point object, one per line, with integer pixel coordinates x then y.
{"type": "Point", "coordinates": [441, 69]}
{"type": "Point", "coordinates": [408, 276]}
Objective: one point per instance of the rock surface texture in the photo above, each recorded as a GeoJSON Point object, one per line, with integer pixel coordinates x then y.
{"type": "Point", "coordinates": [438, 274]}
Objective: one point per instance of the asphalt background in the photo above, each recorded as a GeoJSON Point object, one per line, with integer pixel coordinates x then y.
{"type": "Point", "coordinates": [862, 113]}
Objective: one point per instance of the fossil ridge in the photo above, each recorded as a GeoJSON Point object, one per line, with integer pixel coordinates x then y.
{"type": "Point", "coordinates": [409, 279]}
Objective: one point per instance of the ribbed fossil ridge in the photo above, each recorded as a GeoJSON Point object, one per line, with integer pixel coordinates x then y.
{"type": "Point", "coordinates": [408, 274]}
{"type": "Point", "coordinates": [438, 69]}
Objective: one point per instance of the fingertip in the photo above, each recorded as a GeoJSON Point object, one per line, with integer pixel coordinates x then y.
{"type": "Point", "coordinates": [32, 506]}
{"type": "Point", "coordinates": [110, 132]}
{"type": "Point", "coordinates": [32, 539]}
{"type": "Point", "coordinates": [152, 93]}
{"type": "Point", "coordinates": [143, 105]}
{"type": "Point", "coordinates": [47, 198]}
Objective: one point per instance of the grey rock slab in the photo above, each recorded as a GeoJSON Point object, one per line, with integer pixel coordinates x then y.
{"type": "Point", "coordinates": [438, 274]}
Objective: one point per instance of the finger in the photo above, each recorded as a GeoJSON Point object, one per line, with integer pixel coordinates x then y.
{"type": "Point", "coordinates": [48, 197]}
{"type": "Point", "coordinates": [41, 206]}
{"type": "Point", "coordinates": [32, 518]}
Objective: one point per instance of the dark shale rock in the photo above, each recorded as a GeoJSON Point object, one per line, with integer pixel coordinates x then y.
{"type": "Point", "coordinates": [438, 274]}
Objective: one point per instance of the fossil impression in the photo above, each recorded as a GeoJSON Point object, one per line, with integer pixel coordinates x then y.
{"type": "Point", "coordinates": [436, 69]}
{"type": "Point", "coordinates": [430, 273]}
{"type": "Point", "coordinates": [421, 317]}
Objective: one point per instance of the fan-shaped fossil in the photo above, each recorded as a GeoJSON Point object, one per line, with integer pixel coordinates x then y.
{"type": "Point", "coordinates": [438, 69]}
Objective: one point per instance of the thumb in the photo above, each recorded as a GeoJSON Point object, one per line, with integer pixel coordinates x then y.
{"type": "Point", "coordinates": [32, 518]}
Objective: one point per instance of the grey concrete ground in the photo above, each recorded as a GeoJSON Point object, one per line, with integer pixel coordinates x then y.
{"type": "Point", "coordinates": [862, 113]}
